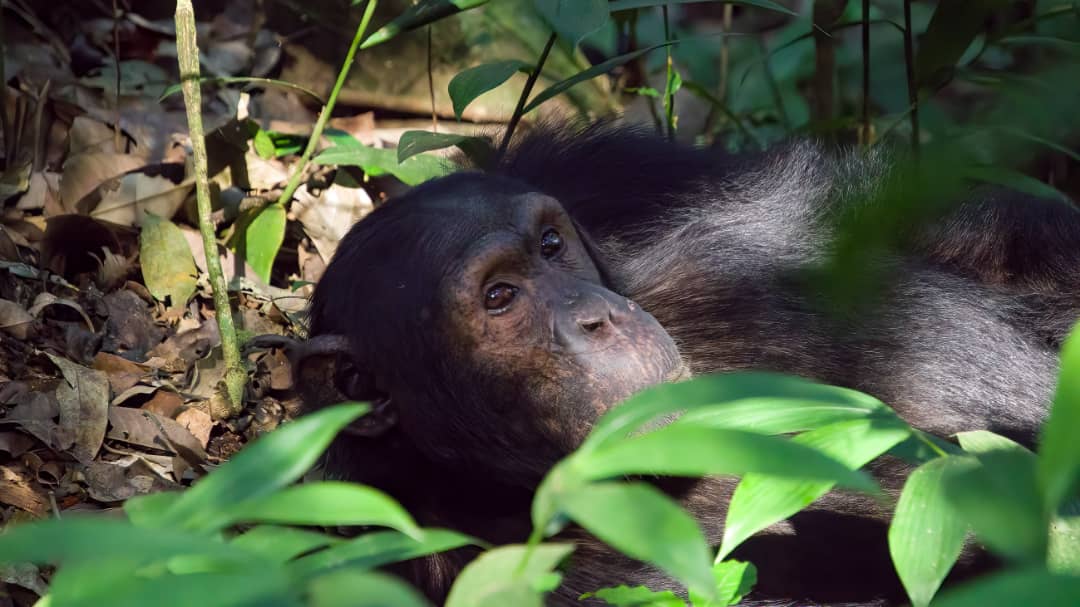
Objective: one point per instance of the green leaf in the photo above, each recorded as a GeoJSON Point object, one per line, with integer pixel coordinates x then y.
{"type": "Point", "coordinates": [264, 144]}
{"type": "Point", "coordinates": [497, 578]}
{"type": "Point", "coordinates": [978, 442]}
{"type": "Point", "coordinates": [1000, 500]}
{"type": "Point", "coordinates": [281, 544]}
{"type": "Point", "coordinates": [326, 503]}
{"type": "Point", "coordinates": [419, 14]}
{"type": "Point", "coordinates": [1059, 450]}
{"type": "Point", "coordinates": [689, 450]}
{"type": "Point", "coordinates": [589, 74]}
{"type": "Point", "coordinates": [91, 538]}
{"type": "Point", "coordinates": [347, 151]}
{"type": "Point", "coordinates": [730, 389]}
{"type": "Point", "coordinates": [761, 500]}
{"type": "Point", "coordinates": [263, 234]}
{"type": "Point", "coordinates": [348, 588]}
{"type": "Point", "coordinates": [469, 84]}
{"type": "Point", "coordinates": [1064, 556]}
{"type": "Point", "coordinates": [734, 580]}
{"type": "Point", "coordinates": [1015, 588]}
{"type": "Point", "coordinates": [951, 31]}
{"type": "Point", "coordinates": [148, 510]}
{"type": "Point", "coordinates": [415, 142]}
{"type": "Point", "coordinates": [1015, 180]}
{"type": "Point", "coordinates": [643, 523]}
{"type": "Point", "coordinates": [927, 533]}
{"type": "Point", "coordinates": [636, 596]}
{"type": "Point", "coordinates": [573, 20]}
{"type": "Point", "coordinates": [627, 5]}
{"type": "Point", "coordinates": [168, 268]}
{"type": "Point", "coordinates": [776, 416]}
{"type": "Point", "coordinates": [379, 548]}
{"type": "Point", "coordinates": [261, 468]}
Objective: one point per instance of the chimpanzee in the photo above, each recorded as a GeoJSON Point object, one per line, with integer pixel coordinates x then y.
{"type": "Point", "coordinates": [493, 314]}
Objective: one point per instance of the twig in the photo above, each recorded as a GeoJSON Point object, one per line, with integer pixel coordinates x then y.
{"type": "Point", "coordinates": [187, 52]}
{"type": "Point", "coordinates": [431, 85]}
{"type": "Point", "coordinates": [669, 81]}
{"type": "Point", "coordinates": [515, 118]}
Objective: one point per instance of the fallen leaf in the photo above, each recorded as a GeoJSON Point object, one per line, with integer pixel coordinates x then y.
{"type": "Point", "coordinates": [14, 444]}
{"type": "Point", "coordinates": [146, 429]}
{"type": "Point", "coordinates": [89, 135]}
{"type": "Point", "coordinates": [327, 218]}
{"type": "Point", "coordinates": [164, 403]}
{"type": "Point", "coordinates": [167, 265]}
{"type": "Point", "coordinates": [123, 480]}
{"type": "Point", "coordinates": [122, 373]}
{"type": "Point", "coordinates": [136, 195]}
{"type": "Point", "coordinates": [14, 320]}
{"type": "Point", "coordinates": [198, 422]}
{"type": "Point", "coordinates": [84, 173]}
{"type": "Point", "coordinates": [46, 299]}
{"type": "Point", "coordinates": [84, 403]}
{"type": "Point", "coordinates": [17, 488]}
{"type": "Point", "coordinates": [130, 329]}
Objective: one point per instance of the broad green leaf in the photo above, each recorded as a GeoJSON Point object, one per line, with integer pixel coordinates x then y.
{"type": "Point", "coordinates": [263, 234]}
{"type": "Point", "coordinates": [412, 143]}
{"type": "Point", "coordinates": [261, 468]}
{"type": "Point", "coordinates": [379, 548]}
{"type": "Point", "coordinates": [926, 533]}
{"type": "Point", "coordinates": [347, 151]}
{"type": "Point", "coordinates": [978, 442]}
{"type": "Point", "coordinates": [627, 5]}
{"type": "Point", "coordinates": [149, 510]}
{"type": "Point", "coordinates": [589, 74]}
{"type": "Point", "coordinates": [326, 503]}
{"type": "Point", "coordinates": [1015, 180]}
{"type": "Point", "coordinates": [643, 523]}
{"type": "Point", "coordinates": [951, 31]}
{"type": "Point", "coordinates": [688, 450]}
{"type": "Point", "coordinates": [419, 14]}
{"type": "Point", "coordinates": [168, 268]}
{"type": "Point", "coordinates": [1059, 449]}
{"type": "Point", "coordinates": [1064, 548]}
{"type": "Point", "coordinates": [281, 544]}
{"type": "Point", "coordinates": [573, 19]}
{"type": "Point", "coordinates": [734, 580]}
{"type": "Point", "coordinates": [1000, 500]}
{"type": "Point", "coordinates": [469, 84]}
{"type": "Point", "coordinates": [761, 500]}
{"type": "Point", "coordinates": [93, 584]}
{"type": "Point", "coordinates": [348, 588]}
{"type": "Point", "coordinates": [497, 578]}
{"type": "Point", "coordinates": [636, 596]}
{"type": "Point", "coordinates": [90, 538]}
{"type": "Point", "coordinates": [784, 391]}
{"type": "Point", "coordinates": [1015, 588]}
{"type": "Point", "coordinates": [264, 144]}
{"type": "Point", "coordinates": [775, 416]}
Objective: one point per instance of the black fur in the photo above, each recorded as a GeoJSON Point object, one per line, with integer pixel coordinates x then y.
{"type": "Point", "coordinates": [721, 250]}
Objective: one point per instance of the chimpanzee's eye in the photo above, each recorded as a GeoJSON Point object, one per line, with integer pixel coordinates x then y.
{"type": "Point", "coordinates": [499, 296]}
{"type": "Point", "coordinates": [551, 243]}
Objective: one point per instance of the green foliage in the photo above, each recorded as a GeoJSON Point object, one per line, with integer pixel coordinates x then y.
{"type": "Point", "coordinates": [573, 19]}
{"type": "Point", "coordinates": [261, 233]}
{"type": "Point", "coordinates": [419, 14]}
{"type": "Point", "coordinates": [509, 575]}
{"type": "Point", "coordinates": [348, 151]}
{"type": "Point", "coordinates": [469, 84]}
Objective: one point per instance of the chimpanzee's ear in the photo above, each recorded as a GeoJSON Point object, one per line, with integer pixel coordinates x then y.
{"type": "Point", "coordinates": [595, 253]}
{"type": "Point", "coordinates": [325, 372]}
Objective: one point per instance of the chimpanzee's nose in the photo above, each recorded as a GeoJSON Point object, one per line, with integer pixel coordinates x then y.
{"type": "Point", "coordinates": [587, 316]}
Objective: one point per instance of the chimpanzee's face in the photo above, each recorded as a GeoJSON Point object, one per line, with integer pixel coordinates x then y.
{"type": "Point", "coordinates": [486, 319]}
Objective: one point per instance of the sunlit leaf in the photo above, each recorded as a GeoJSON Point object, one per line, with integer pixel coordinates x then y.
{"type": "Point", "coordinates": [262, 236]}
{"type": "Point", "coordinates": [379, 548]}
{"type": "Point", "coordinates": [281, 544]}
{"type": "Point", "coordinates": [760, 501]}
{"type": "Point", "coordinates": [348, 588]}
{"type": "Point", "coordinates": [641, 522]}
{"type": "Point", "coordinates": [326, 503]}
{"type": "Point", "coordinates": [984, 441]}
{"type": "Point", "coordinates": [496, 578]}
{"type": "Point", "coordinates": [479, 150]}
{"type": "Point", "coordinates": [1018, 587]}
{"type": "Point", "coordinates": [636, 596]}
{"type": "Point", "coordinates": [734, 580]}
{"type": "Point", "coordinates": [1059, 449]}
{"type": "Point", "coordinates": [926, 533]}
{"type": "Point", "coordinates": [469, 84]}
{"type": "Point", "coordinates": [347, 151]}
{"type": "Point", "coordinates": [261, 468]}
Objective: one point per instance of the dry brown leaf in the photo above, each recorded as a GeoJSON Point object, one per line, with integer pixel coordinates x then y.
{"type": "Point", "coordinates": [137, 194]}
{"type": "Point", "coordinates": [198, 422]}
{"type": "Point", "coordinates": [17, 488]}
{"type": "Point", "coordinates": [46, 299]}
{"type": "Point", "coordinates": [14, 319]}
{"type": "Point", "coordinates": [326, 218]}
{"type": "Point", "coordinates": [122, 372]}
{"type": "Point", "coordinates": [136, 390]}
{"type": "Point", "coordinates": [83, 173]}
{"type": "Point", "coordinates": [14, 444]}
{"type": "Point", "coordinates": [89, 135]}
{"type": "Point", "coordinates": [164, 403]}
{"type": "Point", "coordinates": [9, 248]}
{"type": "Point", "coordinates": [182, 350]}
{"type": "Point", "coordinates": [146, 429]}
{"type": "Point", "coordinates": [123, 479]}
{"type": "Point", "coordinates": [114, 269]}
{"type": "Point", "coordinates": [84, 404]}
